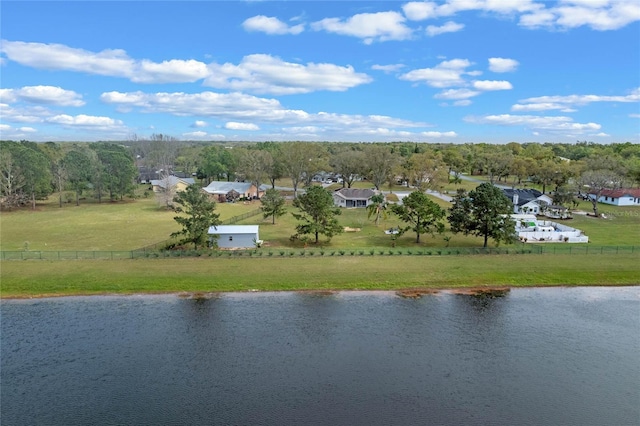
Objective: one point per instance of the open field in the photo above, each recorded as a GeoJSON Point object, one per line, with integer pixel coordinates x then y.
{"type": "Point", "coordinates": [133, 224]}
{"type": "Point", "coordinates": [130, 225]}
{"type": "Point", "coordinates": [49, 278]}
{"type": "Point", "coordinates": [124, 225]}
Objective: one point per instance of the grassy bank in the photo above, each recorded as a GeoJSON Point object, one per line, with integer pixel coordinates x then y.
{"type": "Point", "coordinates": [37, 278]}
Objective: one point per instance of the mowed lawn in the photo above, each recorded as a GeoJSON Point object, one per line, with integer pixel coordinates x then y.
{"type": "Point", "coordinates": [122, 225]}
{"type": "Point", "coordinates": [32, 278]}
{"type": "Point", "coordinates": [128, 225]}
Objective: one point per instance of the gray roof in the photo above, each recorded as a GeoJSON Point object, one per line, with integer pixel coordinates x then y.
{"type": "Point", "coordinates": [172, 180]}
{"type": "Point", "coordinates": [233, 229]}
{"type": "Point", "coordinates": [524, 195]}
{"type": "Point", "coordinates": [355, 194]}
{"type": "Point", "coordinates": [221, 187]}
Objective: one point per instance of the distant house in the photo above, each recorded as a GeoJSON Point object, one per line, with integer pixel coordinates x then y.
{"type": "Point", "coordinates": [235, 236]}
{"type": "Point", "coordinates": [351, 197]}
{"type": "Point", "coordinates": [180, 184]}
{"type": "Point", "coordinates": [528, 200]}
{"type": "Point", "coordinates": [619, 197]}
{"type": "Point", "coordinates": [230, 191]}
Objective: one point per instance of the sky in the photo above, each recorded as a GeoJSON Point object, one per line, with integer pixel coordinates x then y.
{"type": "Point", "coordinates": [456, 71]}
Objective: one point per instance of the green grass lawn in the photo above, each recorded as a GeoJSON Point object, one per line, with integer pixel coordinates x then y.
{"type": "Point", "coordinates": [122, 225]}
{"type": "Point", "coordinates": [133, 224]}
{"type": "Point", "coordinates": [213, 274]}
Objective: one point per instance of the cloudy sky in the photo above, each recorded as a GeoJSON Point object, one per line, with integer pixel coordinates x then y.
{"type": "Point", "coordinates": [456, 71]}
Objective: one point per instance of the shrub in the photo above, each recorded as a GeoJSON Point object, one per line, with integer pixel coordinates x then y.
{"type": "Point", "coordinates": [390, 252]}
{"type": "Point", "coordinates": [281, 252]}
{"type": "Point", "coordinates": [321, 252]}
{"type": "Point", "coordinates": [341, 252]}
{"type": "Point", "coordinates": [372, 252]}
{"type": "Point", "coordinates": [361, 252]}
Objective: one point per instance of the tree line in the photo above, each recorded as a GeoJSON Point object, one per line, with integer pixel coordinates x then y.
{"type": "Point", "coordinates": [32, 171]}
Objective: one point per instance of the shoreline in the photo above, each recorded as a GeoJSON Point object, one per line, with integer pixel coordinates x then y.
{"type": "Point", "coordinates": [403, 292]}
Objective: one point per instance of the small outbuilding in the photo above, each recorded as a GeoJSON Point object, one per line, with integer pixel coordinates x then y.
{"type": "Point", "coordinates": [235, 236]}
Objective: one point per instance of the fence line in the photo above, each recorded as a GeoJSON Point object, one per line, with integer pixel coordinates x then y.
{"type": "Point", "coordinates": [319, 252]}
{"type": "Point", "coordinates": [232, 220]}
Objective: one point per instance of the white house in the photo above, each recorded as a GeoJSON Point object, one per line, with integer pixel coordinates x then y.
{"type": "Point", "coordinates": [235, 236]}
{"type": "Point", "coordinates": [528, 200]}
{"type": "Point", "coordinates": [351, 197]}
{"type": "Point", "coordinates": [619, 197]}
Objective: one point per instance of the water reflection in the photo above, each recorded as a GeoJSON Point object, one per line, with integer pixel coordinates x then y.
{"type": "Point", "coordinates": [532, 356]}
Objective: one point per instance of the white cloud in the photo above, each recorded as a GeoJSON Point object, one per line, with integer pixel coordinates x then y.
{"type": "Point", "coordinates": [537, 123]}
{"type": "Point", "coordinates": [502, 64]}
{"type": "Point", "coordinates": [439, 134]}
{"type": "Point", "coordinates": [487, 85]}
{"type": "Point", "coordinates": [258, 73]}
{"type": "Point", "coordinates": [261, 73]}
{"type": "Point", "coordinates": [232, 125]}
{"type": "Point", "coordinates": [9, 132]}
{"type": "Point", "coordinates": [457, 94]}
{"type": "Point", "coordinates": [49, 95]}
{"type": "Point", "coordinates": [195, 135]}
{"type": "Point", "coordinates": [370, 27]}
{"type": "Point", "coordinates": [110, 62]}
{"type": "Point", "coordinates": [173, 71]}
{"type": "Point", "coordinates": [241, 108]}
{"type": "Point", "coordinates": [199, 123]}
{"type": "Point", "coordinates": [419, 11]}
{"type": "Point", "coordinates": [448, 27]}
{"type": "Point", "coordinates": [83, 120]}
{"type": "Point", "coordinates": [270, 25]}
{"type": "Point", "coordinates": [388, 68]}
{"type": "Point", "coordinates": [464, 102]}
{"type": "Point", "coordinates": [634, 115]}
{"type": "Point", "coordinates": [601, 15]}
{"type": "Point", "coordinates": [445, 74]}
{"type": "Point", "coordinates": [569, 102]}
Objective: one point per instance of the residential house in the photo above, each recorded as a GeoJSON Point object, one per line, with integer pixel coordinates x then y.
{"type": "Point", "coordinates": [235, 236]}
{"type": "Point", "coordinates": [178, 184]}
{"type": "Point", "coordinates": [230, 191]}
{"type": "Point", "coordinates": [528, 200]}
{"type": "Point", "coordinates": [351, 197]}
{"type": "Point", "coordinates": [619, 197]}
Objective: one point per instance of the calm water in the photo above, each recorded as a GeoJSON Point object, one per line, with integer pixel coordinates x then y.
{"type": "Point", "coordinates": [533, 357]}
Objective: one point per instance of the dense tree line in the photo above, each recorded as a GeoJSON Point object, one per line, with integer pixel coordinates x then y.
{"type": "Point", "coordinates": [32, 171]}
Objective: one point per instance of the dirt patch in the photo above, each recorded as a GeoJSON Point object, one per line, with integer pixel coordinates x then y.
{"type": "Point", "coordinates": [412, 293]}
{"type": "Point", "coordinates": [489, 292]}
{"type": "Point", "coordinates": [320, 293]}
{"type": "Point", "coordinates": [349, 229]}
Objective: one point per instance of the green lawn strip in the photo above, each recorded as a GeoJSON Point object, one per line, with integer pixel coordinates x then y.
{"type": "Point", "coordinates": [37, 278]}
{"type": "Point", "coordinates": [125, 225]}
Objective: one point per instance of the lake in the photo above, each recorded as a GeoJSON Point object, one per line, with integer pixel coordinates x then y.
{"type": "Point", "coordinates": [561, 356]}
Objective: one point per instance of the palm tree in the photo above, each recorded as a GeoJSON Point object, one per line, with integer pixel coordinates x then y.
{"type": "Point", "coordinates": [378, 207]}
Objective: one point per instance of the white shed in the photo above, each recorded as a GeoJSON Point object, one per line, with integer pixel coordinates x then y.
{"type": "Point", "coordinates": [235, 236]}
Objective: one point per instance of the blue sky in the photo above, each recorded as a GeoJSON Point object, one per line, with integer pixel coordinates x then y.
{"type": "Point", "coordinates": [457, 71]}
